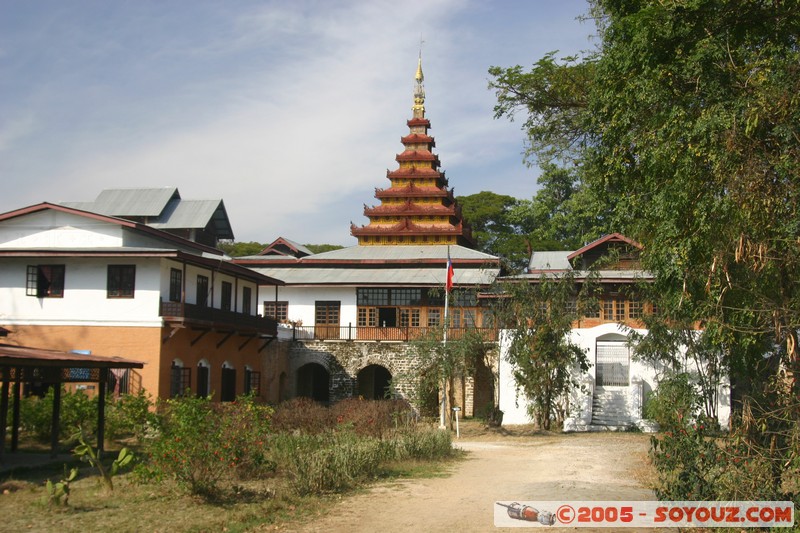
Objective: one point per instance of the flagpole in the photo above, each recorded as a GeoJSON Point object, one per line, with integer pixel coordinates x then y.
{"type": "Point", "coordinates": [447, 286]}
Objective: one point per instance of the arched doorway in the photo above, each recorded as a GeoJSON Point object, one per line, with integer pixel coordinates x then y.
{"type": "Point", "coordinates": [374, 382]}
{"type": "Point", "coordinates": [313, 381]}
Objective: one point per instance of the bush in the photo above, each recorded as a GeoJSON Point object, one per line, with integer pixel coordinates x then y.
{"type": "Point", "coordinates": [328, 461]}
{"type": "Point", "coordinates": [673, 403]}
{"type": "Point", "coordinates": [426, 444]}
{"type": "Point", "coordinates": [302, 414]}
{"type": "Point", "coordinates": [373, 418]}
{"type": "Point", "coordinates": [205, 446]}
{"type": "Point", "coordinates": [128, 416]}
{"type": "Point", "coordinates": [77, 411]}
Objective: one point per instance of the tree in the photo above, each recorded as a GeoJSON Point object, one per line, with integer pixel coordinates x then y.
{"type": "Point", "coordinates": [240, 249]}
{"type": "Point", "coordinates": [488, 214]}
{"type": "Point", "coordinates": [686, 121]}
{"type": "Point", "coordinates": [564, 214]}
{"type": "Point", "coordinates": [538, 317]}
{"type": "Point", "coordinates": [438, 364]}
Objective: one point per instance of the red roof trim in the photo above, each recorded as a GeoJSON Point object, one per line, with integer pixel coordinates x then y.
{"type": "Point", "coordinates": [111, 220]}
{"type": "Point", "coordinates": [613, 237]}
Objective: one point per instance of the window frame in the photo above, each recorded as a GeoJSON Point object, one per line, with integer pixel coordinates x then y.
{"type": "Point", "coordinates": [175, 285]}
{"type": "Point", "coordinates": [118, 286]}
{"type": "Point", "coordinates": [51, 276]}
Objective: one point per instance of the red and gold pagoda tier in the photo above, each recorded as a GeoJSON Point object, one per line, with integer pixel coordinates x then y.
{"type": "Point", "coordinates": [418, 207]}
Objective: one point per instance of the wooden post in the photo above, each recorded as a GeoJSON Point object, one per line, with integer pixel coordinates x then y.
{"type": "Point", "coordinates": [16, 393]}
{"type": "Point", "coordinates": [101, 411]}
{"type": "Point", "coordinates": [56, 419]}
{"type": "Point", "coordinates": [4, 411]}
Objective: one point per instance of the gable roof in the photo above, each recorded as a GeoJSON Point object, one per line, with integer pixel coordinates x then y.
{"type": "Point", "coordinates": [613, 237]}
{"type": "Point", "coordinates": [183, 249]}
{"type": "Point", "coordinates": [421, 265]}
{"type": "Point", "coordinates": [283, 246]}
{"type": "Point", "coordinates": [164, 208]}
{"type": "Point", "coordinates": [135, 202]}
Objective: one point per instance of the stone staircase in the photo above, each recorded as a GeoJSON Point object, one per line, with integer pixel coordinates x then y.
{"type": "Point", "coordinates": [610, 407]}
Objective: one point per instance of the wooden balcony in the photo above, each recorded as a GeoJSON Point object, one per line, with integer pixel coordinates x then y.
{"type": "Point", "coordinates": [209, 317]}
{"type": "Point", "coordinates": [375, 333]}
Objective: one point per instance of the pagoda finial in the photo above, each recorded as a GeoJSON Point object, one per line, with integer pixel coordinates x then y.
{"type": "Point", "coordinates": [419, 88]}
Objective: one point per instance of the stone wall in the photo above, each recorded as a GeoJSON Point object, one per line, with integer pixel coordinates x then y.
{"type": "Point", "coordinates": [344, 360]}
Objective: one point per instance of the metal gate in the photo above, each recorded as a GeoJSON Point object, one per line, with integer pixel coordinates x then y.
{"type": "Point", "coordinates": [613, 364]}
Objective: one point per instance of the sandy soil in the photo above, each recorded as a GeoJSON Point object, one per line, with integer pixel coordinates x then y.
{"type": "Point", "coordinates": [589, 466]}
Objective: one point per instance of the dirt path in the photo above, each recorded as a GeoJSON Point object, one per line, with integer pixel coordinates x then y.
{"type": "Point", "coordinates": [590, 466]}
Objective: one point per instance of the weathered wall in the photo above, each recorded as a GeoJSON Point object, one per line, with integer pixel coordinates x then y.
{"type": "Point", "coordinates": [344, 360]}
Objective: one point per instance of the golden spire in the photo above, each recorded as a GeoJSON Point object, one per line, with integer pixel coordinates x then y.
{"type": "Point", "coordinates": [419, 91]}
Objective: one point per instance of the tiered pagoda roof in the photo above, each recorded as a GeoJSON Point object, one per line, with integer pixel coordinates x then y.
{"type": "Point", "coordinates": [418, 208]}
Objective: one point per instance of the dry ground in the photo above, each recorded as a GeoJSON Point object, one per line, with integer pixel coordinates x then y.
{"type": "Point", "coordinates": [516, 464]}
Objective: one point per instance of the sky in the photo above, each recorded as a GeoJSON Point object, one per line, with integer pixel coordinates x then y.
{"type": "Point", "coordinates": [291, 112]}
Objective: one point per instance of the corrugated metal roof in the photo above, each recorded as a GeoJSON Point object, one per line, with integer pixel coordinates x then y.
{"type": "Point", "coordinates": [190, 214]}
{"type": "Point", "coordinates": [402, 253]}
{"type": "Point", "coordinates": [382, 276]}
{"type": "Point", "coordinates": [135, 202]}
{"type": "Point", "coordinates": [549, 261]}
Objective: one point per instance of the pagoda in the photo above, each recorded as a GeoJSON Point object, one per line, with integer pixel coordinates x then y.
{"type": "Point", "coordinates": [417, 208]}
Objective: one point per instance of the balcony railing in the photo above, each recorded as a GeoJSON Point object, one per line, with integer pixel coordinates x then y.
{"type": "Point", "coordinates": [375, 333]}
{"type": "Point", "coordinates": [218, 317]}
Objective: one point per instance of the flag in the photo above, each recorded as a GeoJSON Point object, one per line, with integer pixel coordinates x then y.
{"type": "Point", "coordinates": [448, 285]}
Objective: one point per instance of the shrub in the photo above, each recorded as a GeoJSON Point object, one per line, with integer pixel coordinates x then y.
{"type": "Point", "coordinates": [129, 415]}
{"type": "Point", "coordinates": [302, 414]}
{"type": "Point", "coordinates": [673, 403]}
{"type": "Point", "coordinates": [372, 417]}
{"type": "Point", "coordinates": [424, 443]}
{"type": "Point", "coordinates": [77, 411]}
{"type": "Point", "coordinates": [205, 446]}
{"type": "Point", "coordinates": [328, 461]}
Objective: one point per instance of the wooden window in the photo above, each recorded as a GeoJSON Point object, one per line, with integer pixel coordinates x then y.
{"type": "Point", "coordinates": [45, 281]}
{"type": "Point", "coordinates": [175, 285]}
{"type": "Point", "coordinates": [226, 296]}
{"type": "Point", "coordinates": [227, 391]}
{"type": "Point", "coordinates": [455, 318]}
{"type": "Point", "coordinates": [434, 317]}
{"type": "Point", "coordinates": [203, 379]}
{"type": "Point", "coordinates": [608, 310]}
{"type": "Point", "coordinates": [202, 291]}
{"type": "Point", "coordinates": [634, 309]}
{"type": "Point", "coordinates": [252, 382]}
{"type": "Point", "coordinates": [571, 306]}
{"type": "Point", "coordinates": [367, 317]}
{"type": "Point", "coordinates": [121, 281]}
{"type": "Point", "coordinates": [372, 296]}
{"type": "Point", "coordinates": [277, 310]}
{"type": "Point", "coordinates": [180, 380]}
{"type": "Point", "coordinates": [469, 318]}
{"type": "Point", "coordinates": [619, 310]}
{"type": "Point", "coordinates": [247, 298]}
{"type": "Point", "coordinates": [327, 312]}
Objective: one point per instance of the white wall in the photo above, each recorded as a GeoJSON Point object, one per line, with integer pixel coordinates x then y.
{"type": "Point", "coordinates": [56, 229]}
{"type": "Point", "coordinates": [515, 408]}
{"type": "Point", "coordinates": [302, 299]}
{"type": "Point", "coordinates": [84, 300]}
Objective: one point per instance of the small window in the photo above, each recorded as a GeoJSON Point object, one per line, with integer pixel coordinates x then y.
{"type": "Point", "coordinates": [121, 281]}
{"type": "Point", "coordinates": [367, 317]}
{"type": "Point", "coordinates": [434, 317]}
{"type": "Point", "coordinates": [277, 310]}
{"type": "Point", "coordinates": [180, 379]}
{"type": "Point", "coordinates": [634, 309]}
{"type": "Point", "coordinates": [247, 299]}
{"type": "Point", "coordinates": [202, 291]}
{"type": "Point", "coordinates": [252, 381]}
{"type": "Point", "coordinates": [175, 285]}
{"type": "Point", "coordinates": [227, 291]}
{"type": "Point", "coordinates": [45, 281]}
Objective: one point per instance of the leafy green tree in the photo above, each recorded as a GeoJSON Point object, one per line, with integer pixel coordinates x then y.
{"type": "Point", "coordinates": [685, 120]}
{"type": "Point", "coordinates": [495, 233]}
{"type": "Point", "coordinates": [240, 249]}
{"type": "Point", "coordinates": [319, 248]}
{"type": "Point", "coordinates": [538, 317]}
{"type": "Point", "coordinates": [438, 364]}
